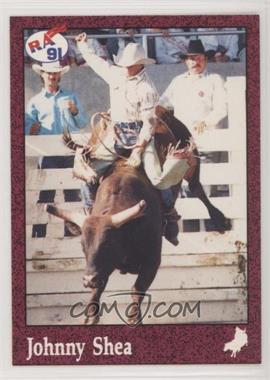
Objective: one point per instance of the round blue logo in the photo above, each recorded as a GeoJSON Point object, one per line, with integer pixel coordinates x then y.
{"type": "Point", "coordinates": [46, 46]}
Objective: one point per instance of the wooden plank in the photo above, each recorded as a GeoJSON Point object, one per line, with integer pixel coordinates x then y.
{"type": "Point", "coordinates": [35, 213]}
{"type": "Point", "coordinates": [31, 163]}
{"type": "Point", "coordinates": [211, 313]}
{"type": "Point", "coordinates": [188, 208]}
{"type": "Point", "coordinates": [53, 231]}
{"type": "Point", "coordinates": [222, 174]}
{"type": "Point", "coordinates": [51, 179]}
{"type": "Point", "coordinates": [220, 140]}
{"type": "Point", "coordinates": [211, 174]}
{"type": "Point", "coordinates": [226, 311]}
{"type": "Point", "coordinates": [196, 242]}
{"type": "Point", "coordinates": [167, 278]}
{"type": "Point", "coordinates": [202, 260]}
{"type": "Point", "coordinates": [192, 208]}
{"type": "Point", "coordinates": [214, 140]}
{"type": "Point", "coordinates": [69, 299]}
{"type": "Point", "coordinates": [241, 225]}
{"type": "Point", "coordinates": [36, 146]}
{"type": "Point", "coordinates": [31, 198]}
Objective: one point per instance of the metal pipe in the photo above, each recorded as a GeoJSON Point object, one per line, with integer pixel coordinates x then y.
{"type": "Point", "coordinates": [143, 35]}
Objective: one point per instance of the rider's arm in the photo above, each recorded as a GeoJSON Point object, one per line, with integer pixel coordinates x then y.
{"type": "Point", "coordinates": [147, 130]}
{"type": "Point", "coordinates": [148, 101]}
{"type": "Point", "coordinates": [99, 65]}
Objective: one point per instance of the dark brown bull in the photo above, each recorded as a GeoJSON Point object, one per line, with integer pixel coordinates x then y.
{"type": "Point", "coordinates": [124, 231]}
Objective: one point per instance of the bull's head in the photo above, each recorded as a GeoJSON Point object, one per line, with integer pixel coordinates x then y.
{"type": "Point", "coordinates": [97, 235]}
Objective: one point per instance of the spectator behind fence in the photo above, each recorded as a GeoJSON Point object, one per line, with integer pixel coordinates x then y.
{"type": "Point", "coordinates": [242, 55]}
{"type": "Point", "coordinates": [52, 110]}
{"type": "Point", "coordinates": [111, 42]}
{"type": "Point", "coordinates": [198, 98]}
{"type": "Point", "coordinates": [169, 48]}
{"type": "Point", "coordinates": [209, 42]}
{"type": "Point", "coordinates": [220, 48]}
{"type": "Point", "coordinates": [123, 41]}
{"type": "Point", "coordinates": [227, 46]}
{"type": "Point", "coordinates": [242, 47]}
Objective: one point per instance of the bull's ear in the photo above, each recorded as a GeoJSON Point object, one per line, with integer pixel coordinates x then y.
{"type": "Point", "coordinates": [73, 228]}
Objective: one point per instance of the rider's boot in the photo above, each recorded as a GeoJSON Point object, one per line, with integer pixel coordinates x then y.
{"type": "Point", "coordinates": [171, 228]}
{"type": "Point", "coordinates": [171, 217]}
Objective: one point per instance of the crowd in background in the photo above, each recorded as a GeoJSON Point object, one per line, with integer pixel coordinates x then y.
{"type": "Point", "coordinates": [166, 48]}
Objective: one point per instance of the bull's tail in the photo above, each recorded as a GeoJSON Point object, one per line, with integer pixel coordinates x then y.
{"type": "Point", "coordinates": [69, 216]}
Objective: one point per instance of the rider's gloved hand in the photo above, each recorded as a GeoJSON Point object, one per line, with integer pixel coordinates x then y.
{"type": "Point", "coordinates": [135, 157]}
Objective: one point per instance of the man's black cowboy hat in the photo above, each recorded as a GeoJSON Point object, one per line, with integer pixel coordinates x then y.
{"type": "Point", "coordinates": [194, 47]}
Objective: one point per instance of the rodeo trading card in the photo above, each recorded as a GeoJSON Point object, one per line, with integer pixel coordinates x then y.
{"type": "Point", "coordinates": [133, 155]}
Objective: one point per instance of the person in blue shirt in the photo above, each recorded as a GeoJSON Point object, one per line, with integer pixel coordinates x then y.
{"type": "Point", "coordinates": [53, 108]}
{"type": "Point", "coordinates": [49, 112]}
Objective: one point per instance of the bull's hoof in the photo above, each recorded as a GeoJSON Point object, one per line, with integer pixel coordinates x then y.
{"type": "Point", "coordinates": [87, 281]}
{"type": "Point", "coordinates": [134, 322]}
{"type": "Point", "coordinates": [91, 320]}
{"type": "Point", "coordinates": [134, 316]}
{"type": "Point", "coordinates": [220, 222]}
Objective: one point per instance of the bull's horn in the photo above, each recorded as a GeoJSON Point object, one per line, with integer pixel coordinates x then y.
{"type": "Point", "coordinates": [126, 215]}
{"type": "Point", "coordinates": [69, 216]}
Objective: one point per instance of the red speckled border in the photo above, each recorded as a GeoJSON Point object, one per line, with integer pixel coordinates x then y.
{"type": "Point", "coordinates": [163, 344]}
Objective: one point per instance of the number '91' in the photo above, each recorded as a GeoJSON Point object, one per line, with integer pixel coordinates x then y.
{"type": "Point", "coordinates": [54, 54]}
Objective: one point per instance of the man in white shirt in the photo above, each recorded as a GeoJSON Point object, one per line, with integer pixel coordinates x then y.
{"type": "Point", "coordinates": [133, 98]}
{"type": "Point", "coordinates": [198, 98]}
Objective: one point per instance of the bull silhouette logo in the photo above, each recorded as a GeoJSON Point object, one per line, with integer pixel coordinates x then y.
{"type": "Point", "coordinates": [240, 340]}
{"type": "Point", "coordinates": [126, 311]}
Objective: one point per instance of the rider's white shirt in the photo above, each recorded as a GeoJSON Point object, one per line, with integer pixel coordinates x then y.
{"type": "Point", "coordinates": [196, 98]}
{"type": "Point", "coordinates": [131, 98]}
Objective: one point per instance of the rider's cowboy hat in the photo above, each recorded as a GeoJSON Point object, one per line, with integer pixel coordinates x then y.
{"type": "Point", "coordinates": [133, 54]}
{"type": "Point", "coordinates": [50, 67]}
{"type": "Point", "coordinates": [195, 47]}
